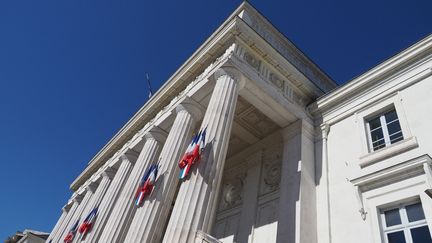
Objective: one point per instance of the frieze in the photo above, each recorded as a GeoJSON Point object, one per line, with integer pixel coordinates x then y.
{"type": "Point", "coordinates": [284, 86]}
{"type": "Point", "coordinates": [232, 192]}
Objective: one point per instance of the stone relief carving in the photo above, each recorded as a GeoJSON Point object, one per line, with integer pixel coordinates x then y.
{"type": "Point", "coordinates": [284, 86]}
{"type": "Point", "coordinates": [251, 60]}
{"type": "Point", "coordinates": [271, 172]}
{"type": "Point", "coordinates": [272, 175]}
{"type": "Point", "coordinates": [232, 192]}
{"type": "Point", "coordinates": [279, 83]}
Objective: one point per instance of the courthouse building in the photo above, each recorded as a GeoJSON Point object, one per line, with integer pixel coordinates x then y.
{"type": "Point", "coordinates": [288, 156]}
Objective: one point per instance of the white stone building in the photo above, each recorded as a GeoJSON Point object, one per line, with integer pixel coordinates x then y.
{"type": "Point", "coordinates": [289, 156]}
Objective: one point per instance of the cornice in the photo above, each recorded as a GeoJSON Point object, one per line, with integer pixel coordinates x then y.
{"type": "Point", "coordinates": [373, 78]}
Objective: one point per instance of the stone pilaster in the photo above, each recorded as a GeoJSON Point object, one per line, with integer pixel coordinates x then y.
{"type": "Point", "coordinates": [196, 202]}
{"type": "Point", "coordinates": [95, 200]}
{"type": "Point", "coordinates": [65, 211]}
{"type": "Point", "coordinates": [151, 218]}
{"type": "Point", "coordinates": [322, 181]}
{"type": "Point", "coordinates": [297, 202]}
{"type": "Point", "coordinates": [108, 201]}
{"type": "Point", "coordinates": [75, 204]}
{"type": "Point", "coordinates": [250, 200]}
{"type": "Point", "coordinates": [124, 209]}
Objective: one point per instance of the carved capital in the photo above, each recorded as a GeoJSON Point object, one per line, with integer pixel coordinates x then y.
{"type": "Point", "coordinates": [231, 72]}
{"type": "Point", "coordinates": [66, 207]}
{"type": "Point", "coordinates": [192, 107]}
{"type": "Point", "coordinates": [157, 134]}
{"type": "Point", "coordinates": [109, 172]}
{"type": "Point", "coordinates": [325, 128]}
{"type": "Point", "coordinates": [78, 198]}
{"type": "Point", "coordinates": [129, 156]}
{"type": "Point", "coordinates": [92, 186]}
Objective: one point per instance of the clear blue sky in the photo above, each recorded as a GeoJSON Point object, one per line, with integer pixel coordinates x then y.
{"type": "Point", "coordinates": [72, 73]}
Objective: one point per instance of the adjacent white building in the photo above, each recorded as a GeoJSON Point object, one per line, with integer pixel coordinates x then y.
{"type": "Point", "coordinates": [289, 156]}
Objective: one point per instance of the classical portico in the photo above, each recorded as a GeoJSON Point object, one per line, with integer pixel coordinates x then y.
{"type": "Point", "coordinates": [249, 87]}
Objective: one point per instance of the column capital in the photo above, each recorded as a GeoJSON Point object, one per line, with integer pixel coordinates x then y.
{"type": "Point", "coordinates": [129, 156]}
{"type": "Point", "coordinates": [192, 107]}
{"type": "Point", "coordinates": [66, 207]}
{"type": "Point", "coordinates": [157, 134]}
{"type": "Point", "coordinates": [325, 128]}
{"type": "Point", "coordinates": [109, 172]}
{"type": "Point", "coordinates": [78, 198]}
{"type": "Point", "coordinates": [92, 186]}
{"type": "Point", "coordinates": [232, 72]}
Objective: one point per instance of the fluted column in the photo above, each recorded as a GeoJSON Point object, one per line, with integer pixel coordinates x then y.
{"type": "Point", "coordinates": [124, 209]}
{"type": "Point", "coordinates": [107, 175]}
{"type": "Point", "coordinates": [76, 201]}
{"type": "Point", "coordinates": [196, 202]}
{"type": "Point", "coordinates": [65, 211]}
{"type": "Point", "coordinates": [78, 213]}
{"type": "Point", "coordinates": [151, 218]}
{"type": "Point", "coordinates": [110, 197]}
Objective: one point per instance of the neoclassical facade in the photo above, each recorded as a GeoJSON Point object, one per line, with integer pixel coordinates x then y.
{"type": "Point", "coordinates": [288, 155]}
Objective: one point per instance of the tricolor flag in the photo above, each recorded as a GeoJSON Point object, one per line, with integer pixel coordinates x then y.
{"type": "Point", "coordinates": [147, 183]}
{"type": "Point", "coordinates": [70, 236]}
{"type": "Point", "coordinates": [86, 226]}
{"type": "Point", "coordinates": [193, 153]}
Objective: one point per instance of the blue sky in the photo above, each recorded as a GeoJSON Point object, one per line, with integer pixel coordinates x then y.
{"type": "Point", "coordinates": [72, 73]}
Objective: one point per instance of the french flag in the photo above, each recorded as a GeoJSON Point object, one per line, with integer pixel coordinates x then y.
{"type": "Point", "coordinates": [88, 222]}
{"type": "Point", "coordinates": [192, 154]}
{"type": "Point", "coordinates": [147, 183]}
{"type": "Point", "coordinates": [71, 235]}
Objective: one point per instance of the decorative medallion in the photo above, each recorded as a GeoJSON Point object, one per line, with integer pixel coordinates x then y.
{"type": "Point", "coordinates": [232, 193]}
{"type": "Point", "coordinates": [251, 60]}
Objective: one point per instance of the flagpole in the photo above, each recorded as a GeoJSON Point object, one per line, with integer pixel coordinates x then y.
{"type": "Point", "coordinates": [149, 86]}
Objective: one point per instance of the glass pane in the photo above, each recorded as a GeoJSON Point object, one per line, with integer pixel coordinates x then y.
{"type": "Point", "coordinates": [421, 235]}
{"type": "Point", "coordinates": [393, 127]}
{"type": "Point", "coordinates": [374, 123]}
{"type": "Point", "coordinates": [378, 144]}
{"type": "Point", "coordinates": [396, 137]}
{"type": "Point", "coordinates": [396, 237]}
{"type": "Point", "coordinates": [415, 212]}
{"type": "Point", "coordinates": [376, 135]}
{"type": "Point", "coordinates": [391, 116]}
{"type": "Point", "coordinates": [392, 217]}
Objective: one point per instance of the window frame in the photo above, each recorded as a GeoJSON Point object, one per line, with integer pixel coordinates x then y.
{"type": "Point", "coordinates": [405, 226]}
{"type": "Point", "coordinates": [368, 157]}
{"type": "Point", "coordinates": [384, 128]}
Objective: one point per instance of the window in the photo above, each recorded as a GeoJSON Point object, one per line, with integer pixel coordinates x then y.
{"type": "Point", "coordinates": [384, 130]}
{"type": "Point", "coordinates": [405, 224]}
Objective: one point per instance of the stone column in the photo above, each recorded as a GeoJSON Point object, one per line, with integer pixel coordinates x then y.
{"type": "Point", "coordinates": [124, 209]}
{"type": "Point", "coordinates": [91, 188]}
{"type": "Point", "coordinates": [150, 219]}
{"type": "Point", "coordinates": [108, 201]}
{"type": "Point", "coordinates": [196, 202]}
{"type": "Point", "coordinates": [297, 202]}
{"type": "Point", "coordinates": [107, 175]}
{"type": "Point", "coordinates": [76, 201]}
{"type": "Point", "coordinates": [65, 211]}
